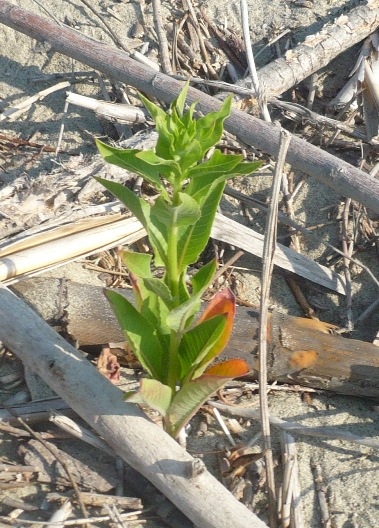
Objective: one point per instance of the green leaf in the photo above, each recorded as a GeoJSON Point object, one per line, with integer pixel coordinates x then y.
{"type": "Point", "coordinates": [188, 400]}
{"type": "Point", "coordinates": [178, 317]}
{"type": "Point", "coordinates": [179, 102]}
{"type": "Point", "coordinates": [154, 393]}
{"type": "Point", "coordinates": [197, 342]}
{"type": "Point", "coordinates": [155, 111]}
{"type": "Point", "coordinates": [137, 263]}
{"type": "Point", "coordinates": [192, 241]}
{"type": "Point", "coordinates": [219, 167]}
{"type": "Point", "coordinates": [166, 167]}
{"type": "Point", "coordinates": [211, 126]}
{"type": "Point", "coordinates": [188, 122]}
{"type": "Point", "coordinates": [184, 214]}
{"type": "Point", "coordinates": [166, 129]}
{"type": "Point", "coordinates": [143, 212]}
{"type": "Point", "coordinates": [158, 287]}
{"type": "Point", "coordinates": [141, 335]}
{"type": "Point", "coordinates": [151, 305]}
{"type": "Point", "coordinates": [129, 159]}
{"type": "Point", "coordinates": [202, 278]}
{"type": "Point", "coordinates": [137, 206]}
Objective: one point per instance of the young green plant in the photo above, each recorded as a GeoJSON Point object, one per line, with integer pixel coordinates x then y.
{"type": "Point", "coordinates": [173, 348]}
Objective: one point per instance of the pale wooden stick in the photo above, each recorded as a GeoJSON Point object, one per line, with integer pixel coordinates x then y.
{"type": "Point", "coordinates": [291, 492]}
{"type": "Point", "coordinates": [319, 49]}
{"type": "Point", "coordinates": [122, 113]}
{"type": "Point", "coordinates": [61, 515]}
{"type": "Point", "coordinates": [137, 440]}
{"type": "Point", "coordinates": [130, 517]}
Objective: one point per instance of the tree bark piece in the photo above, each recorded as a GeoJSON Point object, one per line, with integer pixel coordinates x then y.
{"type": "Point", "coordinates": [123, 426]}
{"type": "Point", "coordinates": [333, 172]}
{"type": "Point", "coordinates": [301, 351]}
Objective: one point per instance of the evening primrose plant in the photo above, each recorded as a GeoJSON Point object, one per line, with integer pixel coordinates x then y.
{"type": "Point", "coordinates": [161, 328]}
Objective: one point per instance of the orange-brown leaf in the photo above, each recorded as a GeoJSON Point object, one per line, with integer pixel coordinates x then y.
{"type": "Point", "coordinates": [222, 303]}
{"type": "Point", "coordinates": [233, 368]}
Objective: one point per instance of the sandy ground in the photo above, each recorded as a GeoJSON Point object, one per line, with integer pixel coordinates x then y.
{"type": "Point", "coordinates": [350, 472]}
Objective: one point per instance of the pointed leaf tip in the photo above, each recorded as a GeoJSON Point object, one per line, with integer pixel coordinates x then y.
{"type": "Point", "coordinates": [223, 302]}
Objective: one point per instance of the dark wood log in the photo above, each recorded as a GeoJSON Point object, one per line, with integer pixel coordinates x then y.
{"type": "Point", "coordinates": [333, 172]}
{"type": "Point", "coordinates": [301, 351]}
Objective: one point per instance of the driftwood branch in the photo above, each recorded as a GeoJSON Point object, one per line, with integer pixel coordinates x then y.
{"type": "Point", "coordinates": [333, 172]}
{"type": "Point", "coordinates": [138, 441]}
{"type": "Point", "coordinates": [319, 49]}
{"type": "Point", "coordinates": [301, 351]}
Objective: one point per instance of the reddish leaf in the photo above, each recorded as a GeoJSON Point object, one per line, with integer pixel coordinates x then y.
{"type": "Point", "coordinates": [222, 303]}
{"type": "Point", "coordinates": [233, 368]}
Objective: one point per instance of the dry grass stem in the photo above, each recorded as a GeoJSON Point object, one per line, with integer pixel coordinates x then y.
{"type": "Point", "coordinates": [162, 38]}
{"type": "Point", "coordinates": [17, 110]}
{"type": "Point", "coordinates": [321, 494]}
{"type": "Point", "coordinates": [292, 510]}
{"type": "Point", "coordinates": [251, 62]}
{"type": "Point", "coordinates": [267, 264]}
{"type": "Point", "coordinates": [108, 26]}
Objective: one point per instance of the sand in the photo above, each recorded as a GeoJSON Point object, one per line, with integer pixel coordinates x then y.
{"type": "Point", "coordinates": [350, 472]}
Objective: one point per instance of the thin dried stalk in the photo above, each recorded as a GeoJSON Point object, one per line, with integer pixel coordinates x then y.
{"type": "Point", "coordinates": [130, 517]}
{"type": "Point", "coordinates": [292, 510]}
{"type": "Point", "coordinates": [251, 62]}
{"type": "Point", "coordinates": [320, 488]}
{"type": "Point", "coordinates": [162, 39]}
{"type": "Point", "coordinates": [24, 105]}
{"type": "Point", "coordinates": [108, 26]}
{"type": "Point", "coordinates": [57, 247]}
{"type": "Point", "coordinates": [268, 263]}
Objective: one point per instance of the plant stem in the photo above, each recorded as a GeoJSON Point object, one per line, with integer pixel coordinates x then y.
{"type": "Point", "coordinates": [173, 284]}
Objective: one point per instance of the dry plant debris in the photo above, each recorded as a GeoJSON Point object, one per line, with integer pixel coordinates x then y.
{"type": "Point", "coordinates": [202, 47]}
